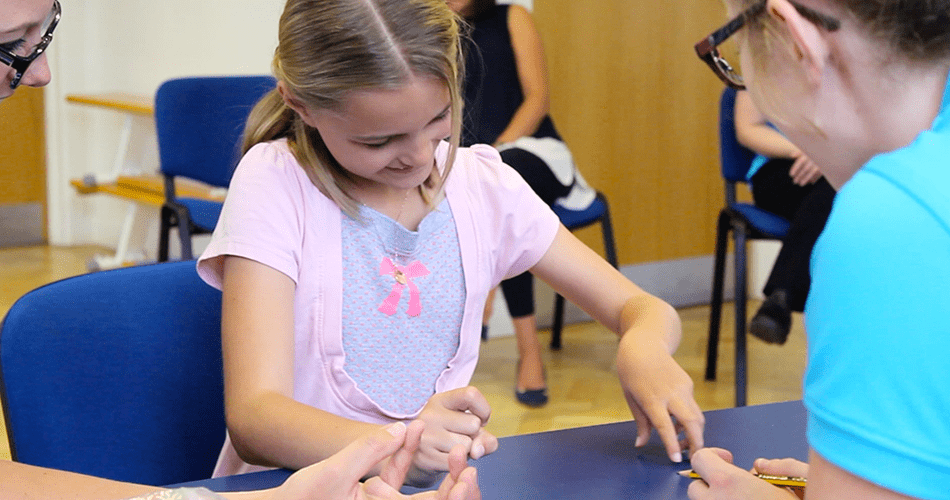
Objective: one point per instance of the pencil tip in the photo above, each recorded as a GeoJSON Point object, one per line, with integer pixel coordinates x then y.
{"type": "Point", "coordinates": [684, 473]}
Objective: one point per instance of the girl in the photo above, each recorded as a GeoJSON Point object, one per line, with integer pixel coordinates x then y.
{"type": "Point", "coordinates": [861, 87]}
{"type": "Point", "coordinates": [357, 247]}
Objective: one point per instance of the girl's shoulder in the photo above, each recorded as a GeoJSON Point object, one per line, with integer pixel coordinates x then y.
{"type": "Point", "coordinates": [478, 162]}
{"type": "Point", "coordinates": [270, 159]}
{"type": "Point", "coordinates": [269, 153]}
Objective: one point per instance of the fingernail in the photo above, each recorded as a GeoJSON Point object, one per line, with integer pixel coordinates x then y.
{"type": "Point", "coordinates": [677, 457]}
{"type": "Point", "coordinates": [396, 429]}
{"type": "Point", "coordinates": [478, 451]}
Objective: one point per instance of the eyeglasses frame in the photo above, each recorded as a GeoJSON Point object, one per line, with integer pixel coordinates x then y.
{"type": "Point", "coordinates": [708, 48]}
{"type": "Point", "coordinates": [21, 64]}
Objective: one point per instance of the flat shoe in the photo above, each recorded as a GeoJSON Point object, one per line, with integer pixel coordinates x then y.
{"type": "Point", "coordinates": [532, 397]}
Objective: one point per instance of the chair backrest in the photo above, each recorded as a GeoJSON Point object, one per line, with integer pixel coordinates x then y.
{"type": "Point", "coordinates": [735, 159]}
{"type": "Point", "coordinates": [117, 374]}
{"type": "Point", "coordinates": [199, 122]}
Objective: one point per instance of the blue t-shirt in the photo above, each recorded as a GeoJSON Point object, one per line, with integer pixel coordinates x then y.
{"type": "Point", "coordinates": [877, 387]}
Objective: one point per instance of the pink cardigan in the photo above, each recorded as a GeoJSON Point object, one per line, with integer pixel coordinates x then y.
{"type": "Point", "coordinates": [274, 215]}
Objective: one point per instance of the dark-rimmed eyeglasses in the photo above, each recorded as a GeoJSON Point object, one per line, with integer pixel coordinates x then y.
{"type": "Point", "coordinates": [707, 48]}
{"type": "Point", "coordinates": [21, 63]}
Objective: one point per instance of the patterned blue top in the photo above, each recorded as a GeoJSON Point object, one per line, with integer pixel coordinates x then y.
{"type": "Point", "coordinates": [393, 356]}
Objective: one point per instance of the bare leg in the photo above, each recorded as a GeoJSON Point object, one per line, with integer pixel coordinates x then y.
{"type": "Point", "coordinates": [531, 372]}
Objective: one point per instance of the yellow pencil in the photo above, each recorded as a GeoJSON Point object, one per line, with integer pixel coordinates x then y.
{"type": "Point", "coordinates": [786, 481]}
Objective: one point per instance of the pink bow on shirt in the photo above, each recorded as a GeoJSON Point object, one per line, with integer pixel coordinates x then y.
{"type": "Point", "coordinates": [403, 276]}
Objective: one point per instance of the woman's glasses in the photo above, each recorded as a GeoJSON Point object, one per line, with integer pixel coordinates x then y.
{"type": "Point", "coordinates": [20, 62]}
{"type": "Point", "coordinates": [708, 48]}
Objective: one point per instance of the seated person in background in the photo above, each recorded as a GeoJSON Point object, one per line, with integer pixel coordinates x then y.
{"type": "Point", "coordinates": [506, 105]}
{"type": "Point", "coordinates": [337, 477]}
{"type": "Point", "coordinates": [788, 183]}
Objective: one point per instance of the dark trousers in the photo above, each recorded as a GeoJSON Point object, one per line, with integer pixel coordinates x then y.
{"type": "Point", "coordinates": [807, 207]}
{"type": "Point", "coordinates": [519, 291]}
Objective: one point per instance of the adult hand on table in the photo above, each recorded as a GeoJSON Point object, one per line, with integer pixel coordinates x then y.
{"type": "Point", "coordinates": [338, 477]}
{"type": "Point", "coordinates": [724, 481]}
{"type": "Point", "coordinates": [658, 391]}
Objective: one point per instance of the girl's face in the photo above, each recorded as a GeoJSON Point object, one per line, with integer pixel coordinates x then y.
{"type": "Point", "coordinates": [20, 25]}
{"type": "Point", "coordinates": [387, 136]}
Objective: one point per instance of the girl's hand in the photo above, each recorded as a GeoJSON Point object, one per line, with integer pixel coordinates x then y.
{"type": "Point", "coordinates": [657, 391]}
{"type": "Point", "coordinates": [803, 171]}
{"type": "Point", "coordinates": [454, 418]}
{"type": "Point", "coordinates": [724, 481]}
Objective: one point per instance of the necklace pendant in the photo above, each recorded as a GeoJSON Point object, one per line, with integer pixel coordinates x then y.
{"type": "Point", "coordinates": [400, 277]}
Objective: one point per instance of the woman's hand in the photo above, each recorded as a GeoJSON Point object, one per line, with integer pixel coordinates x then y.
{"type": "Point", "coordinates": [338, 477]}
{"type": "Point", "coordinates": [453, 418]}
{"type": "Point", "coordinates": [803, 171]}
{"type": "Point", "coordinates": [724, 481]}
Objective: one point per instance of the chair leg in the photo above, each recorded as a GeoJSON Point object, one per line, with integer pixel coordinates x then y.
{"type": "Point", "coordinates": [184, 232]}
{"type": "Point", "coordinates": [167, 221]}
{"type": "Point", "coordinates": [740, 307]}
{"type": "Point", "coordinates": [558, 322]}
{"type": "Point", "coordinates": [607, 228]}
{"type": "Point", "coordinates": [715, 305]}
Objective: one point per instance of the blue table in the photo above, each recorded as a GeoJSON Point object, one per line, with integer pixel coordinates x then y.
{"type": "Point", "coordinates": [600, 462]}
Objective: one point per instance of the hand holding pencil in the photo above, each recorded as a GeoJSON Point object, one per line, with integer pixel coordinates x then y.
{"type": "Point", "coordinates": [769, 479]}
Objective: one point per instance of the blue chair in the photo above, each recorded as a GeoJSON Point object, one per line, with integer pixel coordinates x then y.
{"type": "Point", "coordinates": [200, 122]}
{"type": "Point", "coordinates": [746, 222]}
{"type": "Point", "coordinates": [117, 374]}
{"type": "Point", "coordinates": [598, 211]}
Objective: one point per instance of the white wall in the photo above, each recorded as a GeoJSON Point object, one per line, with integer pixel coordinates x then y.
{"type": "Point", "coordinates": [133, 46]}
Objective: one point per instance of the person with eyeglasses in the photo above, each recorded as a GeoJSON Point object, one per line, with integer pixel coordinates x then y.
{"type": "Point", "coordinates": [861, 86]}
{"type": "Point", "coordinates": [26, 32]}
{"type": "Point", "coordinates": [26, 29]}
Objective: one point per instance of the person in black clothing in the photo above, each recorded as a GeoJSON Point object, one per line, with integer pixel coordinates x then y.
{"type": "Point", "coordinates": [506, 105]}
{"type": "Point", "coordinates": [785, 182]}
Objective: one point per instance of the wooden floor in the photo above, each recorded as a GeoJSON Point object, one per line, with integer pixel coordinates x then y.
{"type": "Point", "coordinates": [582, 380]}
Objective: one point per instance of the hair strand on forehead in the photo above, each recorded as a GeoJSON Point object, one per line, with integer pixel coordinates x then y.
{"type": "Point", "coordinates": [329, 48]}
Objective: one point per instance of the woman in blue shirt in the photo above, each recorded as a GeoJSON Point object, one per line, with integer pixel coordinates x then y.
{"type": "Point", "coordinates": [861, 87]}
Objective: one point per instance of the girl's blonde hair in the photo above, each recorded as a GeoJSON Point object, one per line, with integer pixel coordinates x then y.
{"type": "Point", "coordinates": [327, 48]}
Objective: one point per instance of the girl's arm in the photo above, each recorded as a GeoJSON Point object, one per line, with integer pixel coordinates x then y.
{"type": "Point", "coordinates": [267, 426]}
{"type": "Point", "coordinates": [655, 386]}
{"type": "Point", "coordinates": [532, 74]}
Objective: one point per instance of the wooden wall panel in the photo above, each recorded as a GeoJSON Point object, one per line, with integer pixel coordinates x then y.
{"type": "Point", "coordinates": [639, 111]}
{"type": "Point", "coordinates": [22, 148]}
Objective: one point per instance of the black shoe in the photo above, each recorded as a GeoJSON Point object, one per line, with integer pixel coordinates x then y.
{"type": "Point", "coordinates": [774, 319]}
{"type": "Point", "coordinates": [484, 333]}
{"type": "Point", "coordinates": [534, 398]}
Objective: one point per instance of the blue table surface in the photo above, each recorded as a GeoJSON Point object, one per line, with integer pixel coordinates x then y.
{"type": "Point", "coordinates": [600, 462]}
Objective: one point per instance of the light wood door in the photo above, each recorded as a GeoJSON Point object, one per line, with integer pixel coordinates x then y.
{"type": "Point", "coordinates": [22, 169]}
{"type": "Point", "coordinates": [639, 111]}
